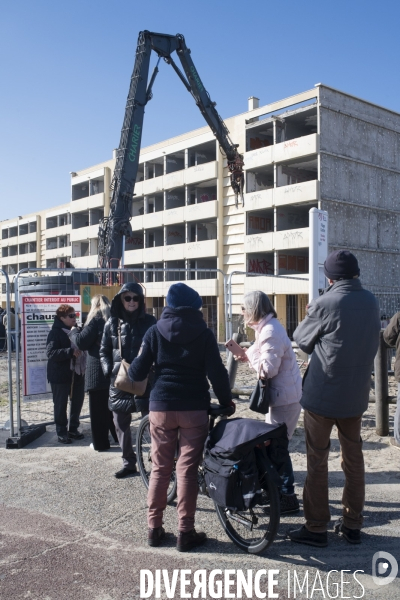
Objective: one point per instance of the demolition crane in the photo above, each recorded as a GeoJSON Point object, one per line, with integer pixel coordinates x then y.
{"type": "Point", "coordinates": [117, 224]}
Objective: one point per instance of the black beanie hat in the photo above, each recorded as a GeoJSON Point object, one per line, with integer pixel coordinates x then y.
{"type": "Point", "coordinates": [341, 264]}
{"type": "Point", "coordinates": [180, 294]}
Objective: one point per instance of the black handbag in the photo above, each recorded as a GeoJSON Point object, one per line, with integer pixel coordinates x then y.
{"type": "Point", "coordinates": [261, 396]}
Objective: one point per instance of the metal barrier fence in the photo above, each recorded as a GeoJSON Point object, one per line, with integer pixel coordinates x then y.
{"type": "Point", "coordinates": [7, 408]}
{"type": "Point", "coordinates": [15, 413]}
{"type": "Point", "coordinates": [87, 283]}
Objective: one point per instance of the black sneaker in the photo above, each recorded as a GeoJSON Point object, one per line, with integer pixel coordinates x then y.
{"type": "Point", "coordinates": [155, 536]}
{"type": "Point", "coordinates": [76, 435]}
{"type": "Point", "coordinates": [289, 504]}
{"type": "Point", "coordinates": [124, 472]}
{"type": "Point", "coordinates": [303, 536]}
{"type": "Point", "coordinates": [187, 540]}
{"type": "Point", "coordinates": [353, 536]}
{"type": "Point", "coordinates": [64, 439]}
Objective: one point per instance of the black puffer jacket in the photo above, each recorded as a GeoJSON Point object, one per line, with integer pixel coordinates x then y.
{"type": "Point", "coordinates": [131, 339]}
{"type": "Point", "coordinates": [59, 353]}
{"type": "Point", "coordinates": [90, 339]}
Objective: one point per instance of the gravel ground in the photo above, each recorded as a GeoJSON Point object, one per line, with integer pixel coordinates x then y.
{"type": "Point", "coordinates": [70, 530]}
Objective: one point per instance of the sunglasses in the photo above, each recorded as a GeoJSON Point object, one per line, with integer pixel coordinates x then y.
{"type": "Point", "coordinates": [129, 298]}
{"type": "Point", "coordinates": [243, 308]}
{"type": "Point", "coordinates": [72, 316]}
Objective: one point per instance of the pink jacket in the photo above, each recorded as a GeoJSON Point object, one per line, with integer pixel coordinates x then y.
{"type": "Point", "coordinates": [278, 361]}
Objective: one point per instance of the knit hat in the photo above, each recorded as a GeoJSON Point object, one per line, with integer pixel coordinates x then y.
{"type": "Point", "coordinates": [341, 264]}
{"type": "Point", "coordinates": [180, 294]}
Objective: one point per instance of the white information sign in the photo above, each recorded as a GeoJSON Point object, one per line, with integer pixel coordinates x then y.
{"type": "Point", "coordinates": [37, 316]}
{"type": "Point", "coordinates": [318, 251]}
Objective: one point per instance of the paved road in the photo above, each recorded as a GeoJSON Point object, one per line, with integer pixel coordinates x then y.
{"type": "Point", "coordinates": [70, 530]}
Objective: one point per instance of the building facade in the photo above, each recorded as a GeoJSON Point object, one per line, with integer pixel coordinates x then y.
{"type": "Point", "coordinates": [321, 148]}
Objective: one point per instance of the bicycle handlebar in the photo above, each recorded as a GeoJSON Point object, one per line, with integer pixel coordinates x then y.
{"type": "Point", "coordinates": [216, 410]}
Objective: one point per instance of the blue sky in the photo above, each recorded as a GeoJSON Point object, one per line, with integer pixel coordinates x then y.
{"type": "Point", "coordinates": [66, 67]}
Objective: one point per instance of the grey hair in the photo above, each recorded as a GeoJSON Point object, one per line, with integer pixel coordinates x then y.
{"type": "Point", "coordinates": [99, 307]}
{"type": "Point", "coordinates": [257, 305]}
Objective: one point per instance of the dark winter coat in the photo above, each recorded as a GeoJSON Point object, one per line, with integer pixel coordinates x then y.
{"type": "Point", "coordinates": [391, 335]}
{"type": "Point", "coordinates": [131, 339]}
{"type": "Point", "coordinates": [59, 353]}
{"type": "Point", "coordinates": [341, 331]}
{"type": "Point", "coordinates": [90, 339]}
{"type": "Point", "coordinates": [184, 352]}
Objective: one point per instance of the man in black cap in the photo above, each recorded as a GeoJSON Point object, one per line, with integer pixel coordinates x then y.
{"type": "Point", "coordinates": [341, 331]}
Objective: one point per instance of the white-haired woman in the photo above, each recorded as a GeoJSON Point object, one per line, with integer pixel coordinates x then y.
{"type": "Point", "coordinates": [101, 418]}
{"type": "Point", "coordinates": [272, 355]}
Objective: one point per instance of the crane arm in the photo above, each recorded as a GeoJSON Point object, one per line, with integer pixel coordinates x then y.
{"type": "Point", "coordinates": [117, 223]}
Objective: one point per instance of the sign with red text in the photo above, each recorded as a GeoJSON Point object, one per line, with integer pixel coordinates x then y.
{"type": "Point", "coordinates": [37, 317]}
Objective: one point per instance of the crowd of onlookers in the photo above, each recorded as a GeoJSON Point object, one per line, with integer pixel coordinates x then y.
{"type": "Point", "coordinates": [179, 356]}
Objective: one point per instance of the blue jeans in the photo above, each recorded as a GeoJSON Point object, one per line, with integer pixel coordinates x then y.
{"type": "Point", "coordinates": [396, 425]}
{"type": "Point", "coordinates": [288, 477]}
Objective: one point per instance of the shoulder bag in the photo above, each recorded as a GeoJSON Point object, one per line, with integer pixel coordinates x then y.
{"type": "Point", "coordinates": [122, 381]}
{"type": "Point", "coordinates": [261, 395]}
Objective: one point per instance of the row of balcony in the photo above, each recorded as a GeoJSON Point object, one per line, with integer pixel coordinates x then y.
{"type": "Point", "coordinates": [22, 239]}
{"type": "Point", "coordinates": [188, 176]}
{"type": "Point", "coordinates": [14, 260]}
{"type": "Point", "coordinates": [19, 230]}
{"type": "Point", "coordinates": [305, 192]}
{"type": "Point", "coordinates": [282, 152]}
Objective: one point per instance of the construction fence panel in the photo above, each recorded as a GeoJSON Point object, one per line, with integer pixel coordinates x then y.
{"type": "Point", "coordinates": [34, 405]}
{"type": "Point", "coordinates": [7, 363]}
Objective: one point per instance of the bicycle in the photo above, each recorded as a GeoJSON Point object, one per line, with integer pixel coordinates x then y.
{"type": "Point", "coordinates": [252, 530]}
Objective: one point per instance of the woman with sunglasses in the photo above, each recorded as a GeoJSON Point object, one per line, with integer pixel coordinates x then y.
{"type": "Point", "coordinates": [65, 375]}
{"type": "Point", "coordinates": [129, 322]}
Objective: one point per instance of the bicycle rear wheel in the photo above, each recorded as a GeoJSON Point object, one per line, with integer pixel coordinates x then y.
{"type": "Point", "coordinates": [143, 455]}
{"type": "Point", "coordinates": [255, 529]}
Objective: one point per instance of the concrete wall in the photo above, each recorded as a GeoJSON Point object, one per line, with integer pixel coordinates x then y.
{"type": "Point", "coordinates": [360, 183]}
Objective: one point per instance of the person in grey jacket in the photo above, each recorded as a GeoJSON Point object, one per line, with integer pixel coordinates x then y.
{"type": "Point", "coordinates": [341, 331]}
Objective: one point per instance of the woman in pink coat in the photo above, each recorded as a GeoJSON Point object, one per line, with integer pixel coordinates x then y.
{"type": "Point", "coordinates": [272, 356]}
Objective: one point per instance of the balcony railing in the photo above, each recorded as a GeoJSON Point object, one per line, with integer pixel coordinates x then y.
{"type": "Point", "coordinates": [204, 249]}
{"type": "Point", "coordinates": [287, 194]}
{"type": "Point", "coordinates": [188, 176]}
{"type": "Point", "coordinates": [296, 148]}
{"type": "Point", "coordinates": [277, 240]}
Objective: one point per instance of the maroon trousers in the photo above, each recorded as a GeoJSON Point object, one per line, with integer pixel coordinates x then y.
{"type": "Point", "coordinates": [166, 428]}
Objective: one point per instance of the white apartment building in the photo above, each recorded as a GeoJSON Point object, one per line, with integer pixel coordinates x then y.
{"type": "Point", "coordinates": [320, 148]}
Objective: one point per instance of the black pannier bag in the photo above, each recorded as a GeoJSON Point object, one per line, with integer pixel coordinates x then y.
{"type": "Point", "coordinates": [231, 483]}
{"type": "Point", "coordinates": [230, 462]}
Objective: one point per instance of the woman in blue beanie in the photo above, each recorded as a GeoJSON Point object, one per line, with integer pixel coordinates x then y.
{"type": "Point", "coordinates": [184, 352]}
